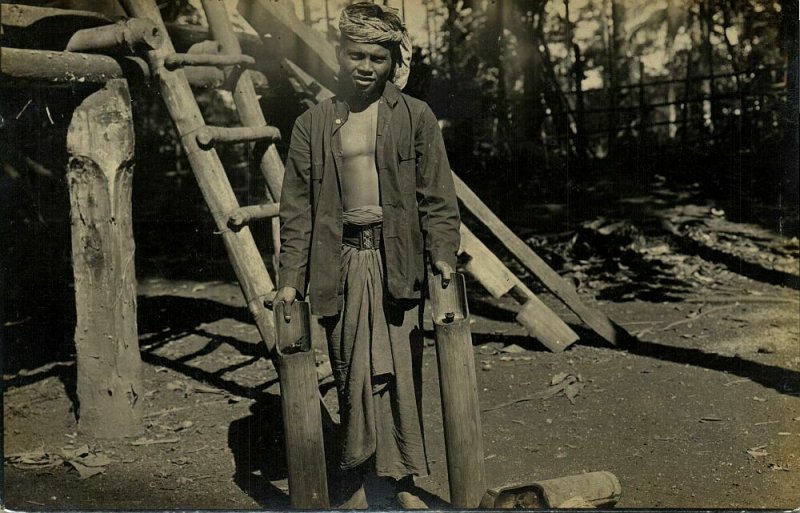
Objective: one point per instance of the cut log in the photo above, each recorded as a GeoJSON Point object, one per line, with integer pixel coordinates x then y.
{"type": "Point", "coordinates": [564, 291]}
{"type": "Point", "coordinates": [100, 143]}
{"type": "Point", "coordinates": [299, 42]}
{"type": "Point", "coordinates": [20, 68]}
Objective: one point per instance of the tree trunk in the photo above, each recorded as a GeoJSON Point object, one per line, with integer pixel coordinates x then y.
{"type": "Point", "coordinates": [100, 174]}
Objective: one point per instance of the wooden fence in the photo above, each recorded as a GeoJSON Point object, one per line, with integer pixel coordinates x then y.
{"type": "Point", "coordinates": [686, 112]}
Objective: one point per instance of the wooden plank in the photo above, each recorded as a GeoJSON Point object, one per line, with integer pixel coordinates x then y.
{"type": "Point", "coordinates": [564, 291]}
{"type": "Point", "coordinates": [303, 44]}
{"type": "Point", "coordinates": [498, 280]}
{"type": "Point", "coordinates": [100, 143]}
{"type": "Point", "coordinates": [214, 185]}
{"type": "Point", "coordinates": [484, 266]}
{"type": "Point", "coordinates": [547, 327]}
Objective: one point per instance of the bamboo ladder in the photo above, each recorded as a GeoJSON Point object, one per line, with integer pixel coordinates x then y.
{"type": "Point", "coordinates": [198, 141]}
{"type": "Point", "coordinates": [301, 410]}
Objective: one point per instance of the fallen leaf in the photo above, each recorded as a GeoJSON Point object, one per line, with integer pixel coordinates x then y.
{"type": "Point", "coordinates": [775, 466]}
{"type": "Point", "coordinates": [186, 424]}
{"type": "Point", "coordinates": [710, 418]}
{"type": "Point", "coordinates": [86, 471]}
{"type": "Point", "coordinates": [757, 452]}
{"type": "Point", "coordinates": [572, 390]}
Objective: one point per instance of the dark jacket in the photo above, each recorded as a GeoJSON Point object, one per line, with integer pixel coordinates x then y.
{"type": "Point", "coordinates": [417, 194]}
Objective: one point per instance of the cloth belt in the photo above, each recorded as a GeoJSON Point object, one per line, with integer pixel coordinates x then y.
{"type": "Point", "coordinates": [363, 236]}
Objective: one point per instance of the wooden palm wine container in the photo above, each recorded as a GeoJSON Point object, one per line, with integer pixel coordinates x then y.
{"type": "Point", "coordinates": [457, 382]}
{"type": "Point", "coordinates": [302, 419]}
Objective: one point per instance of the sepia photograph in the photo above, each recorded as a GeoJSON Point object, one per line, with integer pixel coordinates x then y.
{"type": "Point", "coordinates": [399, 254]}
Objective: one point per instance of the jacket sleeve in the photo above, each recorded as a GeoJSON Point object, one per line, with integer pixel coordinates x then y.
{"type": "Point", "coordinates": [438, 203]}
{"type": "Point", "coordinates": [295, 210]}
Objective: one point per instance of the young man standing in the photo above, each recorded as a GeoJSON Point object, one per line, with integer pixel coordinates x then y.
{"type": "Point", "coordinates": [368, 199]}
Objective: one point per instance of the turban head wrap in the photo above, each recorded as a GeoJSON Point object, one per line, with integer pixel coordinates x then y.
{"type": "Point", "coordinates": [365, 22]}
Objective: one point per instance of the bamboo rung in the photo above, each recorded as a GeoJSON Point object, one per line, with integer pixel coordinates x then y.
{"type": "Point", "coordinates": [244, 215]}
{"type": "Point", "coordinates": [180, 60]}
{"type": "Point", "coordinates": [208, 136]}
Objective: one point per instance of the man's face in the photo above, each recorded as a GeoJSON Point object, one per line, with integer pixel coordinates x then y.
{"type": "Point", "coordinates": [365, 66]}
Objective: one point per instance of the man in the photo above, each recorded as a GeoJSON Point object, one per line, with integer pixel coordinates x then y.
{"type": "Point", "coordinates": [367, 198]}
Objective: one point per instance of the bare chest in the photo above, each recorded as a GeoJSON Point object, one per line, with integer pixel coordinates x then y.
{"type": "Point", "coordinates": [358, 134]}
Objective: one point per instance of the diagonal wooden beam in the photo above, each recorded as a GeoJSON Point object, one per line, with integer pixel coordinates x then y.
{"type": "Point", "coordinates": [564, 291]}
{"type": "Point", "coordinates": [298, 41]}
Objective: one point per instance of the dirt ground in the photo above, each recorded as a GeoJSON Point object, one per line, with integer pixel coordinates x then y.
{"type": "Point", "coordinates": [702, 411]}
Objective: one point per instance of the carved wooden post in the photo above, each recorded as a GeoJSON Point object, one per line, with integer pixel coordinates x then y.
{"type": "Point", "coordinates": [100, 172]}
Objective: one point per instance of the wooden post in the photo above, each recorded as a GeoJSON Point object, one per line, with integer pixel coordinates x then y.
{"type": "Point", "coordinates": [686, 106]}
{"type": "Point", "coordinates": [100, 142]}
{"type": "Point", "coordinates": [459, 389]}
{"type": "Point", "coordinates": [580, 118]}
{"type": "Point", "coordinates": [642, 104]}
{"type": "Point", "coordinates": [302, 419]}
{"type": "Point", "coordinates": [594, 318]}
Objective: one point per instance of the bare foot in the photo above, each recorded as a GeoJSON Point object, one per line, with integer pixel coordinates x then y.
{"type": "Point", "coordinates": [407, 500]}
{"type": "Point", "coordinates": [356, 501]}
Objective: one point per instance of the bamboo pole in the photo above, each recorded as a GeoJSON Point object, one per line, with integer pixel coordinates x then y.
{"type": "Point", "coordinates": [100, 142]}
{"type": "Point", "coordinates": [182, 106]}
{"type": "Point", "coordinates": [459, 390]}
{"type": "Point", "coordinates": [302, 418]}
